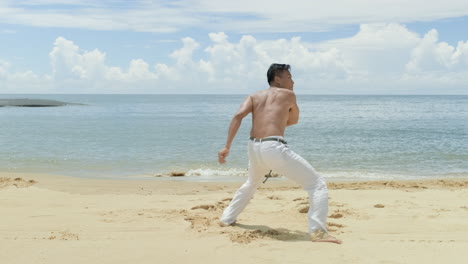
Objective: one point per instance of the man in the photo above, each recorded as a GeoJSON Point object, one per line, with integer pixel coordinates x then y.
{"type": "Point", "coordinates": [272, 111]}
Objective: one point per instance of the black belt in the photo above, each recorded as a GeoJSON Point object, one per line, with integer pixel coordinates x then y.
{"type": "Point", "coordinates": [268, 139]}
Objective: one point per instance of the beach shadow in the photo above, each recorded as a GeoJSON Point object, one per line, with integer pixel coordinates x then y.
{"type": "Point", "coordinates": [282, 234]}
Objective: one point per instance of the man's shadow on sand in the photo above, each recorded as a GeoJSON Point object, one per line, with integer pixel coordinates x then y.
{"type": "Point", "coordinates": [281, 234]}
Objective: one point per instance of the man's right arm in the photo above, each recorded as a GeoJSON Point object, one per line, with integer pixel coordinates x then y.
{"type": "Point", "coordinates": [293, 117]}
{"type": "Point", "coordinates": [236, 121]}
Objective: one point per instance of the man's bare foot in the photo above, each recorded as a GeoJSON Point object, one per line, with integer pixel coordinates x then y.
{"type": "Point", "coordinates": [222, 224]}
{"type": "Point", "coordinates": [321, 236]}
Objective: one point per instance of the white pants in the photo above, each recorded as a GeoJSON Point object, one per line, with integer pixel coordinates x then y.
{"type": "Point", "coordinates": [273, 155]}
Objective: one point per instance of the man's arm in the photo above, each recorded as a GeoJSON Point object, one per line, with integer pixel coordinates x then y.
{"type": "Point", "coordinates": [245, 108]}
{"type": "Point", "coordinates": [293, 112]}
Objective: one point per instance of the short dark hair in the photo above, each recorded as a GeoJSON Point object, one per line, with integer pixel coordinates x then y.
{"type": "Point", "coordinates": [276, 69]}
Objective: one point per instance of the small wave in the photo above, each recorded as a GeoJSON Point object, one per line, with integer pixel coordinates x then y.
{"type": "Point", "coordinates": [358, 175]}
{"type": "Point", "coordinates": [207, 172]}
{"type": "Point", "coordinates": [238, 173]}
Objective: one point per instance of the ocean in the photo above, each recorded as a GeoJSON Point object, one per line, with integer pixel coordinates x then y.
{"type": "Point", "coordinates": [149, 136]}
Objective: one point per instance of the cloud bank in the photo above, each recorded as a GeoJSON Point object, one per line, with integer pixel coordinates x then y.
{"type": "Point", "coordinates": [240, 16]}
{"type": "Point", "coordinates": [379, 59]}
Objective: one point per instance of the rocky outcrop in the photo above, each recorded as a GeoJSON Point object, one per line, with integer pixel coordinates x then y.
{"type": "Point", "coordinates": [33, 103]}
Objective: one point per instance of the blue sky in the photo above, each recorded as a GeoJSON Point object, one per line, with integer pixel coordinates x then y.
{"type": "Point", "coordinates": [334, 47]}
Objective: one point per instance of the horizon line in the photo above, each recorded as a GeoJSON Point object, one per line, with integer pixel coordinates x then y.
{"type": "Point", "coordinates": [1, 94]}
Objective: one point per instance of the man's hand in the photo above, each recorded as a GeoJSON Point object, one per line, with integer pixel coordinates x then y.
{"type": "Point", "coordinates": [222, 154]}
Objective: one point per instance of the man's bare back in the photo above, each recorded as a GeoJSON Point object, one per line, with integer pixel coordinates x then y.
{"type": "Point", "coordinates": [272, 110]}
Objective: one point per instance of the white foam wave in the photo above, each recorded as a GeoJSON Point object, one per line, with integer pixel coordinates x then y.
{"type": "Point", "coordinates": [361, 175]}
{"type": "Point", "coordinates": [207, 172]}
{"type": "Point", "coordinates": [236, 172]}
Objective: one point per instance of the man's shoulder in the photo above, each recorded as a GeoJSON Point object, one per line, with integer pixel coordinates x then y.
{"type": "Point", "coordinates": [282, 94]}
{"type": "Point", "coordinates": [286, 93]}
{"type": "Point", "coordinates": [257, 94]}
{"type": "Point", "coordinates": [279, 91]}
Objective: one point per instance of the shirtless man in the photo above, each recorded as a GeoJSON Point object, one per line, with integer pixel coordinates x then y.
{"type": "Point", "coordinates": [272, 111]}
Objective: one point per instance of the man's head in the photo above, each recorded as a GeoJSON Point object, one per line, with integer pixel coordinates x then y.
{"type": "Point", "coordinates": [279, 76]}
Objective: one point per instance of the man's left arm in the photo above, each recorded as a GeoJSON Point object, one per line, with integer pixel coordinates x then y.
{"type": "Point", "coordinates": [293, 117]}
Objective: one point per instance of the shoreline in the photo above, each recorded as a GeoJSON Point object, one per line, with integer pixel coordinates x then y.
{"type": "Point", "coordinates": [222, 178]}
{"type": "Point", "coordinates": [78, 184]}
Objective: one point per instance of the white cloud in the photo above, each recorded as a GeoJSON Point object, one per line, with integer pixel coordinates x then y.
{"type": "Point", "coordinates": [315, 15]}
{"type": "Point", "coordinates": [379, 59]}
{"type": "Point", "coordinates": [14, 82]}
{"type": "Point", "coordinates": [55, 2]}
{"type": "Point", "coordinates": [108, 15]}
{"type": "Point", "coordinates": [183, 56]}
{"type": "Point", "coordinates": [67, 62]}
{"type": "Point", "coordinates": [240, 16]}
{"type": "Point", "coordinates": [140, 70]}
{"type": "Point", "coordinates": [432, 55]}
{"type": "Point", "coordinates": [382, 48]}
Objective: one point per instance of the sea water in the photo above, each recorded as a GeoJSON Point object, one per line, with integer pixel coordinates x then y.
{"type": "Point", "coordinates": [150, 136]}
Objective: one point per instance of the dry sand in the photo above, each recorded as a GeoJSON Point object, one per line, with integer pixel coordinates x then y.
{"type": "Point", "coordinates": [59, 219]}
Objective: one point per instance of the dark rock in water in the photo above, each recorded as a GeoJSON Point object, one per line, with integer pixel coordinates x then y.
{"type": "Point", "coordinates": [33, 103]}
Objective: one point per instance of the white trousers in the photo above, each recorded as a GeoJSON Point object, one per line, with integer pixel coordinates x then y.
{"type": "Point", "coordinates": [273, 155]}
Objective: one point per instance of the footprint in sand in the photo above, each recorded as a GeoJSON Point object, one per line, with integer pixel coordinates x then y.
{"type": "Point", "coordinates": [201, 223]}
{"type": "Point", "coordinates": [336, 215]}
{"type": "Point", "coordinates": [200, 219]}
{"type": "Point", "coordinates": [62, 235]}
{"type": "Point", "coordinates": [332, 226]}
{"type": "Point", "coordinates": [205, 218]}
{"type": "Point", "coordinates": [214, 207]}
{"type": "Point", "coordinates": [300, 199]}
{"type": "Point", "coordinates": [204, 206]}
{"type": "Point", "coordinates": [340, 213]}
{"type": "Point", "coordinates": [335, 227]}
{"type": "Point", "coordinates": [302, 203]}
{"type": "Point", "coordinates": [303, 209]}
{"type": "Point", "coordinates": [337, 204]}
{"type": "Point", "coordinates": [274, 197]}
{"type": "Point", "coordinates": [248, 236]}
{"type": "Point", "coordinates": [439, 210]}
{"type": "Point", "coordinates": [17, 182]}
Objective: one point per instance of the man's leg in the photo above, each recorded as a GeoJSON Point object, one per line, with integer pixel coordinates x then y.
{"type": "Point", "coordinates": [245, 193]}
{"type": "Point", "coordinates": [299, 170]}
{"type": "Point", "coordinates": [242, 197]}
{"type": "Point", "coordinates": [293, 166]}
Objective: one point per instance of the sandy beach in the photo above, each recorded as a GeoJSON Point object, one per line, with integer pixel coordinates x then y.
{"type": "Point", "coordinates": [60, 219]}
